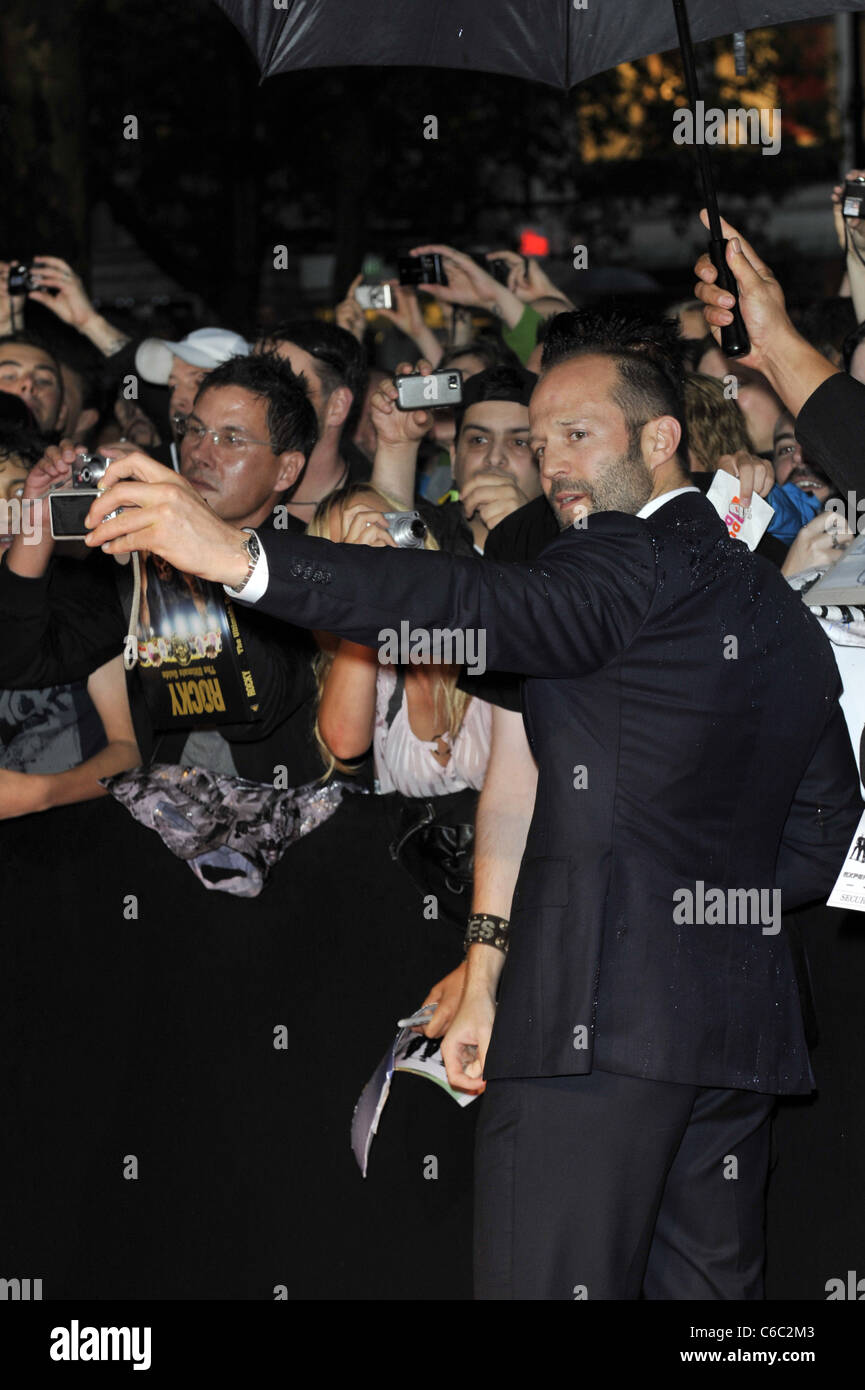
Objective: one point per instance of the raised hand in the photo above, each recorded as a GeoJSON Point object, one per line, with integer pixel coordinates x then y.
{"type": "Point", "coordinates": [393, 427]}
{"type": "Point", "coordinates": [755, 474]}
{"type": "Point", "coordinates": [492, 496]}
{"type": "Point", "coordinates": [855, 225]}
{"type": "Point", "coordinates": [471, 285]}
{"type": "Point", "coordinates": [348, 313]}
{"type": "Point", "coordinates": [161, 512]}
{"type": "Point", "coordinates": [71, 302]}
{"type": "Point", "coordinates": [818, 545]}
{"type": "Point", "coordinates": [761, 299]}
{"type": "Point", "coordinates": [364, 526]}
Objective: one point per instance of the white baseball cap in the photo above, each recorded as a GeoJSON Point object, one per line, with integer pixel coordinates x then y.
{"type": "Point", "coordinates": [206, 347]}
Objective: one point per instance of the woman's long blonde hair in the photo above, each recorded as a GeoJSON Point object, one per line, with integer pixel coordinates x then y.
{"type": "Point", "coordinates": [456, 701]}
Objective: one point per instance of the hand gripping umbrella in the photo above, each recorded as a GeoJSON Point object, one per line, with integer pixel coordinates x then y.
{"type": "Point", "coordinates": [558, 42]}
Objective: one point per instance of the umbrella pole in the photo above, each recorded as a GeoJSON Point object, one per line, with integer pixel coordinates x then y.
{"type": "Point", "coordinates": [734, 337]}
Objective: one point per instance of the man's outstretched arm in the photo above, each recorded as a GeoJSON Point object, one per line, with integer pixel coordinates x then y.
{"type": "Point", "coordinates": [571, 612]}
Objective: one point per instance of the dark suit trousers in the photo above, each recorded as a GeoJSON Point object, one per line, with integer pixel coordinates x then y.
{"type": "Point", "coordinates": [605, 1187]}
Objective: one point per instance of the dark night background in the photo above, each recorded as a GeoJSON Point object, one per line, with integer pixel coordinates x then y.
{"type": "Point", "coordinates": [333, 163]}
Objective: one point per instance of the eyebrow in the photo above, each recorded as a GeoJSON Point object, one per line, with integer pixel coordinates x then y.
{"type": "Point", "coordinates": [37, 366]}
{"type": "Point", "coordinates": [490, 429]}
{"type": "Point", "coordinates": [218, 429]}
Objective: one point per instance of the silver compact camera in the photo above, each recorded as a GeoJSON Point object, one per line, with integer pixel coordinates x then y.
{"type": "Point", "coordinates": [408, 529]}
{"type": "Point", "coordinates": [68, 505]}
{"type": "Point", "coordinates": [437, 391]}
{"type": "Point", "coordinates": [374, 296]}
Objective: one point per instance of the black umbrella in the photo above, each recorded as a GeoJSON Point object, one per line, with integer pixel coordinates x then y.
{"type": "Point", "coordinates": [558, 42]}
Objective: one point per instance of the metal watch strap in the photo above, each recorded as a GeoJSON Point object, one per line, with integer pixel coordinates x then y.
{"type": "Point", "coordinates": [253, 558]}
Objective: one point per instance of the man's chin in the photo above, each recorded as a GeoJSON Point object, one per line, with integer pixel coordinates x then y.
{"type": "Point", "coordinates": [571, 512]}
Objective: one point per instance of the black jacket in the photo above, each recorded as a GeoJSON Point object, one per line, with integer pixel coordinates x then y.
{"type": "Point", "coordinates": [831, 430]}
{"type": "Point", "coordinates": [735, 771]}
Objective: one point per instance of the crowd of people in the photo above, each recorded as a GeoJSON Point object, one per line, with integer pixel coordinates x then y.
{"type": "Point", "coordinates": [182, 1051]}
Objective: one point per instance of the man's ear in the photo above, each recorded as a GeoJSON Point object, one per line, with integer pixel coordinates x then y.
{"type": "Point", "coordinates": [660, 441]}
{"type": "Point", "coordinates": [338, 407]}
{"type": "Point", "coordinates": [291, 465]}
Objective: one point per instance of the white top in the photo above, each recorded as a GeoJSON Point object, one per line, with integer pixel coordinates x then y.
{"type": "Point", "coordinates": [405, 763]}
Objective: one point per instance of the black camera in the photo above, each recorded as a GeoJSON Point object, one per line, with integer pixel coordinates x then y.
{"type": "Point", "coordinates": [407, 528]}
{"type": "Point", "coordinates": [436, 391]}
{"type": "Point", "coordinates": [21, 279]}
{"type": "Point", "coordinates": [69, 504]}
{"type": "Point", "coordinates": [854, 197]}
{"type": "Point", "coordinates": [498, 269]}
{"type": "Point", "coordinates": [421, 270]}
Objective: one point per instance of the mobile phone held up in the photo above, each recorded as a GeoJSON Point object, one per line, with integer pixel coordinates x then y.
{"type": "Point", "coordinates": [437, 391]}
{"type": "Point", "coordinates": [374, 296]}
{"type": "Point", "coordinates": [853, 202]}
{"type": "Point", "coordinates": [421, 270]}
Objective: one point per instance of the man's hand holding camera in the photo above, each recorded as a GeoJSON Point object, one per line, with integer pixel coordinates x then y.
{"type": "Point", "coordinates": [471, 285]}
{"type": "Point", "coordinates": [162, 513]}
{"type": "Point", "coordinates": [399, 430]}
{"type": "Point", "coordinates": [26, 558]}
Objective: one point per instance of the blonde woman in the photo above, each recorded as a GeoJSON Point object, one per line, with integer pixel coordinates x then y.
{"type": "Point", "coordinates": [429, 740]}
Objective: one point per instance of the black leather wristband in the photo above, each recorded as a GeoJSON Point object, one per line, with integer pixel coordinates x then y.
{"type": "Point", "coordinates": [484, 930]}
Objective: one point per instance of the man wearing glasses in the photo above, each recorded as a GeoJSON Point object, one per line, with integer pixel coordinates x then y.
{"type": "Point", "coordinates": [244, 445]}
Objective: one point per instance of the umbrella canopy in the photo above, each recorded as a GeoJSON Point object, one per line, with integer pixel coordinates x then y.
{"type": "Point", "coordinates": [551, 41]}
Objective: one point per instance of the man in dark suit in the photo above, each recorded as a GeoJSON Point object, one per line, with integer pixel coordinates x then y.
{"type": "Point", "coordinates": [694, 776]}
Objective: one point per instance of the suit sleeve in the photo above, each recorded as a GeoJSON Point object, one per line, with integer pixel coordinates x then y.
{"type": "Point", "coordinates": [821, 821]}
{"type": "Point", "coordinates": [59, 628]}
{"type": "Point", "coordinates": [831, 430]}
{"type": "Point", "coordinates": [572, 611]}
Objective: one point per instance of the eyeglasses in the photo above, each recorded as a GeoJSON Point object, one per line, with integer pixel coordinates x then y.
{"type": "Point", "coordinates": [224, 439]}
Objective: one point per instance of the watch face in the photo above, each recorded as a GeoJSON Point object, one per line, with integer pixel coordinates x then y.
{"type": "Point", "coordinates": [253, 549]}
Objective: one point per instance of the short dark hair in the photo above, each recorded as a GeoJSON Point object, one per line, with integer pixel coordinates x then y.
{"type": "Point", "coordinates": [291, 422]}
{"type": "Point", "coordinates": [339, 357]}
{"type": "Point", "coordinates": [648, 356]}
{"type": "Point", "coordinates": [496, 384]}
{"type": "Point", "coordinates": [827, 324]}
{"type": "Point", "coordinates": [21, 441]}
{"type": "Point", "coordinates": [74, 352]}
{"type": "Point", "coordinates": [28, 339]}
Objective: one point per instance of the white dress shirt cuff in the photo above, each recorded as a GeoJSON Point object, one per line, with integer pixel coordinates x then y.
{"type": "Point", "coordinates": [257, 584]}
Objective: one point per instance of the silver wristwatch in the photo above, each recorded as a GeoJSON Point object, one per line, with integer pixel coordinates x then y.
{"type": "Point", "coordinates": [252, 546]}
